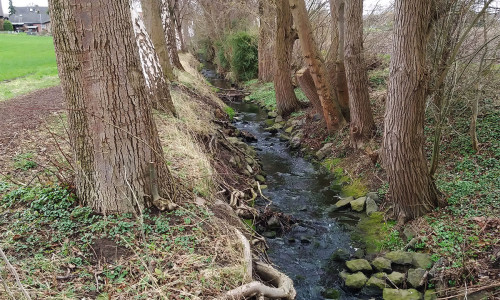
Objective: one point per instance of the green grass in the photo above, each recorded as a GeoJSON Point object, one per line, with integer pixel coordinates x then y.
{"type": "Point", "coordinates": [27, 63]}
{"type": "Point", "coordinates": [22, 55]}
{"type": "Point", "coordinates": [265, 95]}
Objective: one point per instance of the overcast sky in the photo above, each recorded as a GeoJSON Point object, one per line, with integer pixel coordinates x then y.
{"type": "Point", "coordinates": [369, 4]}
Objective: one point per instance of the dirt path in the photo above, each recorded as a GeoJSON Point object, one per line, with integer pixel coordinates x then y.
{"type": "Point", "coordinates": [24, 113]}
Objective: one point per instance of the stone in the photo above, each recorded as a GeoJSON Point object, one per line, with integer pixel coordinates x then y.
{"type": "Point", "coordinates": [382, 264]}
{"type": "Point", "coordinates": [263, 187]}
{"type": "Point", "coordinates": [342, 203]}
{"type": "Point", "coordinates": [394, 294]}
{"type": "Point", "coordinates": [249, 160]}
{"type": "Point", "coordinates": [340, 255]}
{"type": "Point", "coordinates": [272, 114]}
{"type": "Point", "coordinates": [271, 129]}
{"type": "Point", "coordinates": [356, 281]}
{"type": "Point", "coordinates": [331, 294]}
{"type": "Point", "coordinates": [278, 126]}
{"type": "Point", "coordinates": [295, 141]}
{"type": "Point", "coordinates": [359, 253]}
{"type": "Point", "coordinates": [400, 257]}
{"type": "Point", "coordinates": [415, 277]}
{"type": "Point", "coordinates": [305, 240]}
{"type": "Point", "coordinates": [374, 196]}
{"type": "Point", "coordinates": [358, 265]}
{"type": "Point", "coordinates": [408, 233]}
{"type": "Point", "coordinates": [247, 98]}
{"type": "Point", "coordinates": [422, 260]}
{"type": "Point", "coordinates": [344, 274]}
{"type": "Point", "coordinates": [358, 204]}
{"type": "Point", "coordinates": [380, 275]}
{"type": "Point", "coordinates": [249, 169]}
{"type": "Point", "coordinates": [260, 178]}
{"type": "Point", "coordinates": [273, 222]}
{"type": "Point", "coordinates": [289, 129]}
{"type": "Point", "coordinates": [278, 119]}
{"type": "Point", "coordinates": [396, 278]}
{"type": "Point", "coordinates": [269, 122]}
{"type": "Point", "coordinates": [316, 117]}
{"type": "Point", "coordinates": [269, 234]}
{"type": "Point", "coordinates": [326, 150]}
{"type": "Point", "coordinates": [232, 161]}
{"type": "Point", "coordinates": [430, 295]}
{"type": "Point", "coordinates": [375, 282]}
{"type": "Point", "coordinates": [371, 206]}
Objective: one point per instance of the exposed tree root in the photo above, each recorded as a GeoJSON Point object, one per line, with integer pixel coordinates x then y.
{"type": "Point", "coordinates": [282, 284]}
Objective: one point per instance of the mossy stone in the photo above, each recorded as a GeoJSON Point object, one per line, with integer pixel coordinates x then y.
{"type": "Point", "coordinates": [415, 277]}
{"type": "Point", "coordinates": [331, 294]}
{"type": "Point", "coordinates": [430, 295]}
{"type": "Point", "coordinates": [422, 260]}
{"type": "Point", "coordinates": [394, 294]}
{"type": "Point", "coordinates": [400, 257]}
{"type": "Point", "coordinates": [358, 265]}
{"type": "Point", "coordinates": [356, 280]}
{"type": "Point", "coordinates": [260, 178]}
{"type": "Point", "coordinates": [382, 264]}
{"type": "Point", "coordinates": [358, 204]}
{"type": "Point", "coordinates": [396, 278]}
{"type": "Point", "coordinates": [375, 282]}
{"type": "Point", "coordinates": [340, 255]}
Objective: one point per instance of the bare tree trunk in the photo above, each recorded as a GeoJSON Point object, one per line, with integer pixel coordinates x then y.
{"type": "Point", "coordinates": [178, 25]}
{"type": "Point", "coordinates": [362, 125]}
{"type": "Point", "coordinates": [306, 83]}
{"type": "Point", "coordinates": [266, 43]}
{"type": "Point", "coordinates": [335, 60]}
{"type": "Point", "coordinates": [331, 109]}
{"type": "Point", "coordinates": [286, 101]}
{"type": "Point", "coordinates": [112, 132]}
{"type": "Point", "coordinates": [152, 20]}
{"type": "Point", "coordinates": [169, 24]}
{"type": "Point", "coordinates": [411, 188]}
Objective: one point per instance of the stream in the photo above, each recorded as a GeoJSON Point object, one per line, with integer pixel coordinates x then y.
{"type": "Point", "coordinates": [298, 188]}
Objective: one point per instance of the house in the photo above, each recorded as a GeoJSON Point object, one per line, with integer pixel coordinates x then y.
{"type": "Point", "coordinates": [1, 16]}
{"type": "Point", "coordinates": [31, 19]}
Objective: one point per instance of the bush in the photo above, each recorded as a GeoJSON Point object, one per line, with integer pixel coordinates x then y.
{"type": "Point", "coordinates": [244, 55]}
{"type": "Point", "coordinates": [7, 26]}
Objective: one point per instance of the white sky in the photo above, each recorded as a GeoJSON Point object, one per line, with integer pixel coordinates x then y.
{"type": "Point", "coordinates": [369, 4]}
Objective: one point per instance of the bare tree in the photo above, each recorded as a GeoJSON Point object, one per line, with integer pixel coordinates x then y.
{"type": "Point", "coordinates": [331, 109]}
{"type": "Point", "coordinates": [411, 187]}
{"type": "Point", "coordinates": [169, 27]}
{"type": "Point", "coordinates": [267, 25]}
{"type": "Point", "coordinates": [362, 125]}
{"type": "Point", "coordinates": [118, 156]}
{"type": "Point", "coordinates": [286, 101]}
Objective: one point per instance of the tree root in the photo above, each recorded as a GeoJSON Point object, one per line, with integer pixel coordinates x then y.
{"type": "Point", "coordinates": [283, 285]}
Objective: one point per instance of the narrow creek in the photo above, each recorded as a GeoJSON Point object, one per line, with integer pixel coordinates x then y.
{"type": "Point", "coordinates": [302, 190]}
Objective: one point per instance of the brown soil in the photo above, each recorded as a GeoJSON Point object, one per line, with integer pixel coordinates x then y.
{"type": "Point", "coordinates": [27, 112]}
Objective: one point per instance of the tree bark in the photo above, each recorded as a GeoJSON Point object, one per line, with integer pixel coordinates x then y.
{"type": "Point", "coordinates": [306, 83]}
{"type": "Point", "coordinates": [266, 43]}
{"type": "Point", "coordinates": [335, 60]}
{"type": "Point", "coordinates": [362, 125]}
{"type": "Point", "coordinates": [331, 109]}
{"type": "Point", "coordinates": [411, 187]}
{"type": "Point", "coordinates": [169, 27]}
{"type": "Point", "coordinates": [151, 10]}
{"type": "Point", "coordinates": [112, 132]}
{"type": "Point", "coordinates": [178, 25]}
{"type": "Point", "coordinates": [286, 101]}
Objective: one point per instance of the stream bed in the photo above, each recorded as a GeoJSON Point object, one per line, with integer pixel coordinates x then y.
{"type": "Point", "coordinates": [300, 189]}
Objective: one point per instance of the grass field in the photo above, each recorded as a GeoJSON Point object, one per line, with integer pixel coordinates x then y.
{"type": "Point", "coordinates": [27, 63]}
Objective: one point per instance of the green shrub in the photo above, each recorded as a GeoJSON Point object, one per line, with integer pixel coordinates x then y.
{"type": "Point", "coordinates": [7, 26]}
{"type": "Point", "coordinates": [221, 59]}
{"type": "Point", "coordinates": [230, 112]}
{"type": "Point", "coordinates": [244, 55]}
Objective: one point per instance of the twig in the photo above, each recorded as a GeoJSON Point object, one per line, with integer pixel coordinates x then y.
{"type": "Point", "coordinates": [473, 291]}
{"type": "Point", "coordinates": [6, 287]}
{"type": "Point", "coordinates": [14, 272]}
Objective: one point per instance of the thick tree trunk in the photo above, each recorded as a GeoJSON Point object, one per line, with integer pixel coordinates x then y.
{"type": "Point", "coordinates": [362, 125]}
{"type": "Point", "coordinates": [306, 83]}
{"type": "Point", "coordinates": [335, 60]}
{"type": "Point", "coordinates": [411, 188]}
{"type": "Point", "coordinates": [169, 27]}
{"type": "Point", "coordinates": [161, 93]}
{"type": "Point", "coordinates": [331, 109]}
{"type": "Point", "coordinates": [112, 132]}
{"type": "Point", "coordinates": [266, 43]}
{"type": "Point", "coordinates": [286, 101]}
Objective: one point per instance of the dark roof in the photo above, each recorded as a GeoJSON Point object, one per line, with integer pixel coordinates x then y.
{"type": "Point", "coordinates": [30, 15]}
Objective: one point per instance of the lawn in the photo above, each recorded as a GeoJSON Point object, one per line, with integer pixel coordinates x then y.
{"type": "Point", "coordinates": [27, 63]}
{"type": "Point", "coordinates": [22, 55]}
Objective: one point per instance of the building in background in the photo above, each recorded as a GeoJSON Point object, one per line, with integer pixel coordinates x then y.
{"type": "Point", "coordinates": [1, 16]}
{"type": "Point", "coordinates": [31, 19]}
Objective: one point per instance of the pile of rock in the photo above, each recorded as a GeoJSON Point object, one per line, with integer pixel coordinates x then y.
{"type": "Point", "coordinates": [397, 275]}
{"type": "Point", "coordinates": [368, 203]}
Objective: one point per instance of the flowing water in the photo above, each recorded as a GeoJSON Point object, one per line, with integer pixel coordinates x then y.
{"type": "Point", "coordinates": [302, 190]}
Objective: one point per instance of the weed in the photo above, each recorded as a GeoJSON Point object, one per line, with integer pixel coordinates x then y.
{"type": "Point", "coordinates": [24, 162]}
{"type": "Point", "coordinates": [230, 112]}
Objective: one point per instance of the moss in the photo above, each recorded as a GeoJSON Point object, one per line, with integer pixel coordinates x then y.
{"type": "Point", "coordinates": [371, 231]}
{"type": "Point", "coordinates": [331, 163]}
{"type": "Point", "coordinates": [230, 112]}
{"type": "Point", "coordinates": [355, 189]}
